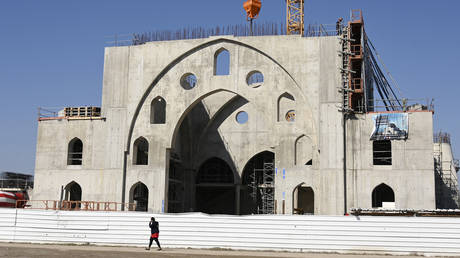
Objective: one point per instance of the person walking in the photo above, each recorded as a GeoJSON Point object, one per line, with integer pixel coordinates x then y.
{"type": "Point", "coordinates": [154, 233]}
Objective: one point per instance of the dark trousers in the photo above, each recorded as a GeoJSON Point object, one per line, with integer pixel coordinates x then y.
{"type": "Point", "coordinates": [156, 240]}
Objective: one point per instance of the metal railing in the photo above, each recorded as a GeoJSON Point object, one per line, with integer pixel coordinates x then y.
{"type": "Point", "coordinates": [406, 212]}
{"type": "Point", "coordinates": [16, 183]}
{"type": "Point", "coordinates": [75, 205]}
{"type": "Point", "coordinates": [322, 30]}
{"type": "Point", "coordinates": [55, 113]}
{"type": "Point", "coordinates": [441, 137]}
{"type": "Point", "coordinates": [404, 105]}
{"type": "Point", "coordinates": [239, 30]}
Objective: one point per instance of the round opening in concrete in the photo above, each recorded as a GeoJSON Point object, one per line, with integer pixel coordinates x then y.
{"type": "Point", "coordinates": [242, 117]}
{"type": "Point", "coordinates": [255, 79]}
{"type": "Point", "coordinates": [188, 81]}
{"type": "Point", "coordinates": [290, 116]}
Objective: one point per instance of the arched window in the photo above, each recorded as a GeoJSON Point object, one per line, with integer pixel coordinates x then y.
{"type": "Point", "coordinates": [303, 151]}
{"type": "Point", "coordinates": [383, 196]}
{"type": "Point", "coordinates": [286, 108]}
{"type": "Point", "coordinates": [140, 151]}
{"type": "Point", "coordinates": [222, 62]}
{"type": "Point", "coordinates": [75, 152]}
{"type": "Point", "coordinates": [72, 196]}
{"type": "Point", "coordinates": [158, 111]}
{"type": "Point", "coordinates": [382, 152]}
{"type": "Point", "coordinates": [139, 197]}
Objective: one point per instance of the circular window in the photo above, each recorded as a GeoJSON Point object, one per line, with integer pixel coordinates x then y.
{"type": "Point", "coordinates": [242, 117]}
{"type": "Point", "coordinates": [188, 81]}
{"type": "Point", "coordinates": [290, 116]}
{"type": "Point", "coordinates": [255, 79]}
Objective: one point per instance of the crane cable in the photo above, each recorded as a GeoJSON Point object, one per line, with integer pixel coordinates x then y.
{"type": "Point", "coordinates": [384, 66]}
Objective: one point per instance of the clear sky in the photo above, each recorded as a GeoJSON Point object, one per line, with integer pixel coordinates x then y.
{"type": "Point", "coordinates": [52, 52]}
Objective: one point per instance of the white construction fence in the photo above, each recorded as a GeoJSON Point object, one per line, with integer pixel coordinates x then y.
{"type": "Point", "coordinates": [296, 233]}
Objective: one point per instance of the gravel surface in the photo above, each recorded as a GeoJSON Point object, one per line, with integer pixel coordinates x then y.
{"type": "Point", "coordinates": [71, 251]}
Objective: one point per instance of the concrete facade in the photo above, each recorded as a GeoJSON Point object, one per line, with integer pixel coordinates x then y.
{"type": "Point", "coordinates": [300, 75]}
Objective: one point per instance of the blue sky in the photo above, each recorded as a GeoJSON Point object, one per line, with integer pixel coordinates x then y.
{"type": "Point", "coordinates": [52, 52]}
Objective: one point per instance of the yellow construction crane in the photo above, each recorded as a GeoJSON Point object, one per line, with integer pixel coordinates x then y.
{"type": "Point", "coordinates": [294, 17]}
{"type": "Point", "coordinates": [294, 14]}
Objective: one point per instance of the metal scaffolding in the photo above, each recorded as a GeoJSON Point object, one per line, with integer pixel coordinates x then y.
{"type": "Point", "coordinates": [446, 184]}
{"type": "Point", "coordinates": [262, 188]}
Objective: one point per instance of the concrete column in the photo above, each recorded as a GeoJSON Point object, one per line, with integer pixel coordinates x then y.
{"type": "Point", "coordinates": [237, 198]}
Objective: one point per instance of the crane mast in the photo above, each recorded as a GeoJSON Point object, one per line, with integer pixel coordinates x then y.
{"type": "Point", "coordinates": [294, 17]}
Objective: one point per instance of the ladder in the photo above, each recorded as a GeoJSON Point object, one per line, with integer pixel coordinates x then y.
{"type": "Point", "coordinates": [345, 53]}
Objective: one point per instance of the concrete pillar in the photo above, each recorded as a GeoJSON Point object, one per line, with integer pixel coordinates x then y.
{"type": "Point", "coordinates": [237, 198]}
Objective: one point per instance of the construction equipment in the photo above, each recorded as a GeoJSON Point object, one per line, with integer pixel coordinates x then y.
{"type": "Point", "coordinates": [252, 8]}
{"type": "Point", "coordinates": [295, 17]}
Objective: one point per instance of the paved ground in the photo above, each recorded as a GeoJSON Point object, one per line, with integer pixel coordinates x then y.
{"type": "Point", "coordinates": [72, 251]}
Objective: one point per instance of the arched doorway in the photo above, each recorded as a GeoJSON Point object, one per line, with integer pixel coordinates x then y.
{"type": "Point", "coordinates": [304, 200]}
{"type": "Point", "coordinates": [257, 195]}
{"type": "Point", "coordinates": [383, 197]}
{"type": "Point", "coordinates": [73, 195]}
{"type": "Point", "coordinates": [139, 196]}
{"type": "Point", "coordinates": [215, 188]}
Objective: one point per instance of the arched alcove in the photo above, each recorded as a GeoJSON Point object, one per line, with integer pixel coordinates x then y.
{"type": "Point", "coordinates": [75, 152]}
{"type": "Point", "coordinates": [139, 197]}
{"type": "Point", "coordinates": [286, 106]}
{"type": "Point", "coordinates": [158, 111]}
{"type": "Point", "coordinates": [383, 194]}
{"type": "Point", "coordinates": [140, 151]}
{"type": "Point", "coordinates": [303, 151]}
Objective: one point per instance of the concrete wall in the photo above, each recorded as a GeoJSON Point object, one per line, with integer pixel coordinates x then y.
{"type": "Point", "coordinates": [200, 124]}
{"type": "Point", "coordinates": [411, 174]}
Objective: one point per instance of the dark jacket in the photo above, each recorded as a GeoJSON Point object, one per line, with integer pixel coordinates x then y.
{"type": "Point", "coordinates": [154, 228]}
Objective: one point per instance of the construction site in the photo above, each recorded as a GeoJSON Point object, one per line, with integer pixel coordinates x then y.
{"type": "Point", "coordinates": [248, 119]}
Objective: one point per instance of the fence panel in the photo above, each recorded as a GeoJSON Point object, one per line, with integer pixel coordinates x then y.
{"type": "Point", "coordinates": [346, 234]}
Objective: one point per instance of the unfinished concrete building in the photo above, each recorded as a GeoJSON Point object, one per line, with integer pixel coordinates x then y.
{"type": "Point", "coordinates": [242, 125]}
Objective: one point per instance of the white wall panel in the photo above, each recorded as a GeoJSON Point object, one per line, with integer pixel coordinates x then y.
{"type": "Point", "coordinates": [423, 235]}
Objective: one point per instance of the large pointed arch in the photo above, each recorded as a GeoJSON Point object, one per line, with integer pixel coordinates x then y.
{"type": "Point", "coordinates": [172, 64]}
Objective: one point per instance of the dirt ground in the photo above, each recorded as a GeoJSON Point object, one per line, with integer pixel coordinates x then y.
{"type": "Point", "coordinates": [73, 251]}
